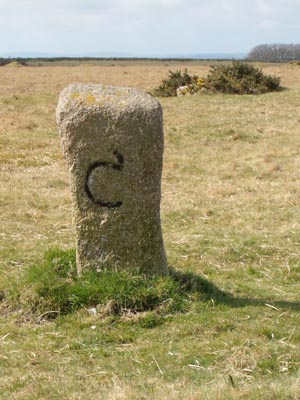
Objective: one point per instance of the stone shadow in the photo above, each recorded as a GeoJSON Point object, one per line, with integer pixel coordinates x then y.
{"type": "Point", "coordinates": [193, 283]}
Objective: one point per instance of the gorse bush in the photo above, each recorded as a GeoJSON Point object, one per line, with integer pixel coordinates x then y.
{"type": "Point", "coordinates": [237, 78]}
{"type": "Point", "coordinates": [295, 62]}
{"type": "Point", "coordinates": [240, 78]}
{"type": "Point", "coordinates": [174, 81]}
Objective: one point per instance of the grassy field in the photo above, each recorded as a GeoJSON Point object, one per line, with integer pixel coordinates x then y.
{"type": "Point", "coordinates": [230, 214]}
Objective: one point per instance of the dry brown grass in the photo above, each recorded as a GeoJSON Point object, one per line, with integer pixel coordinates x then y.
{"type": "Point", "coordinates": [230, 210]}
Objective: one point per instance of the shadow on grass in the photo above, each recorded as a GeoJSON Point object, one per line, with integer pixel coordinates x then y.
{"type": "Point", "coordinates": [193, 283]}
{"type": "Point", "coordinates": [54, 288]}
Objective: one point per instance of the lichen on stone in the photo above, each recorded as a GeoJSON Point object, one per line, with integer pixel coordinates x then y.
{"type": "Point", "coordinates": [113, 141]}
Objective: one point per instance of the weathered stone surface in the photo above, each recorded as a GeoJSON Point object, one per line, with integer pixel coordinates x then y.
{"type": "Point", "coordinates": [112, 139]}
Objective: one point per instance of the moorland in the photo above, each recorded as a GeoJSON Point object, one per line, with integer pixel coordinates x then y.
{"type": "Point", "coordinates": [230, 215]}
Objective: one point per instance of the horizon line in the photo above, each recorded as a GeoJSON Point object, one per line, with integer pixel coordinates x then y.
{"type": "Point", "coordinates": [200, 55]}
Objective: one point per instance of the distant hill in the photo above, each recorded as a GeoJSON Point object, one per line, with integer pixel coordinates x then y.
{"type": "Point", "coordinates": [197, 56]}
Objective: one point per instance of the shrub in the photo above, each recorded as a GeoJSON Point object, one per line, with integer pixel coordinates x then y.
{"type": "Point", "coordinates": [237, 78]}
{"type": "Point", "coordinates": [240, 78]}
{"type": "Point", "coordinates": [4, 61]}
{"type": "Point", "coordinates": [13, 61]}
{"type": "Point", "coordinates": [174, 81]}
{"type": "Point", "coordinates": [295, 62]}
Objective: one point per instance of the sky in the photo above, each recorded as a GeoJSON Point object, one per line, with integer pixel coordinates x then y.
{"type": "Point", "coordinates": [144, 27]}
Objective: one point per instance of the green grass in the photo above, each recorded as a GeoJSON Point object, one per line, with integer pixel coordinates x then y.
{"type": "Point", "coordinates": [54, 289]}
{"type": "Point", "coordinates": [116, 317]}
{"type": "Point", "coordinates": [224, 324]}
{"type": "Point", "coordinates": [58, 288]}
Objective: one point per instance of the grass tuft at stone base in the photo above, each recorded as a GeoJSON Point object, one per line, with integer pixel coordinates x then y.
{"type": "Point", "coordinates": [55, 289]}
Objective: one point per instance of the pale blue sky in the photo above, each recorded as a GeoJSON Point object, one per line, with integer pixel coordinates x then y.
{"type": "Point", "coordinates": [145, 27]}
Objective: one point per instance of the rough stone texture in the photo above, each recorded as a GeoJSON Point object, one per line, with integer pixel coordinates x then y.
{"type": "Point", "coordinates": [112, 139]}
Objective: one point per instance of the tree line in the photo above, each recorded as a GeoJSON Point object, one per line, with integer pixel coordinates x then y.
{"type": "Point", "coordinates": [28, 60]}
{"type": "Point", "coordinates": [276, 52]}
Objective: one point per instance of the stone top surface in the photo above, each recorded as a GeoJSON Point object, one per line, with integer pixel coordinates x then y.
{"type": "Point", "coordinates": [79, 97]}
